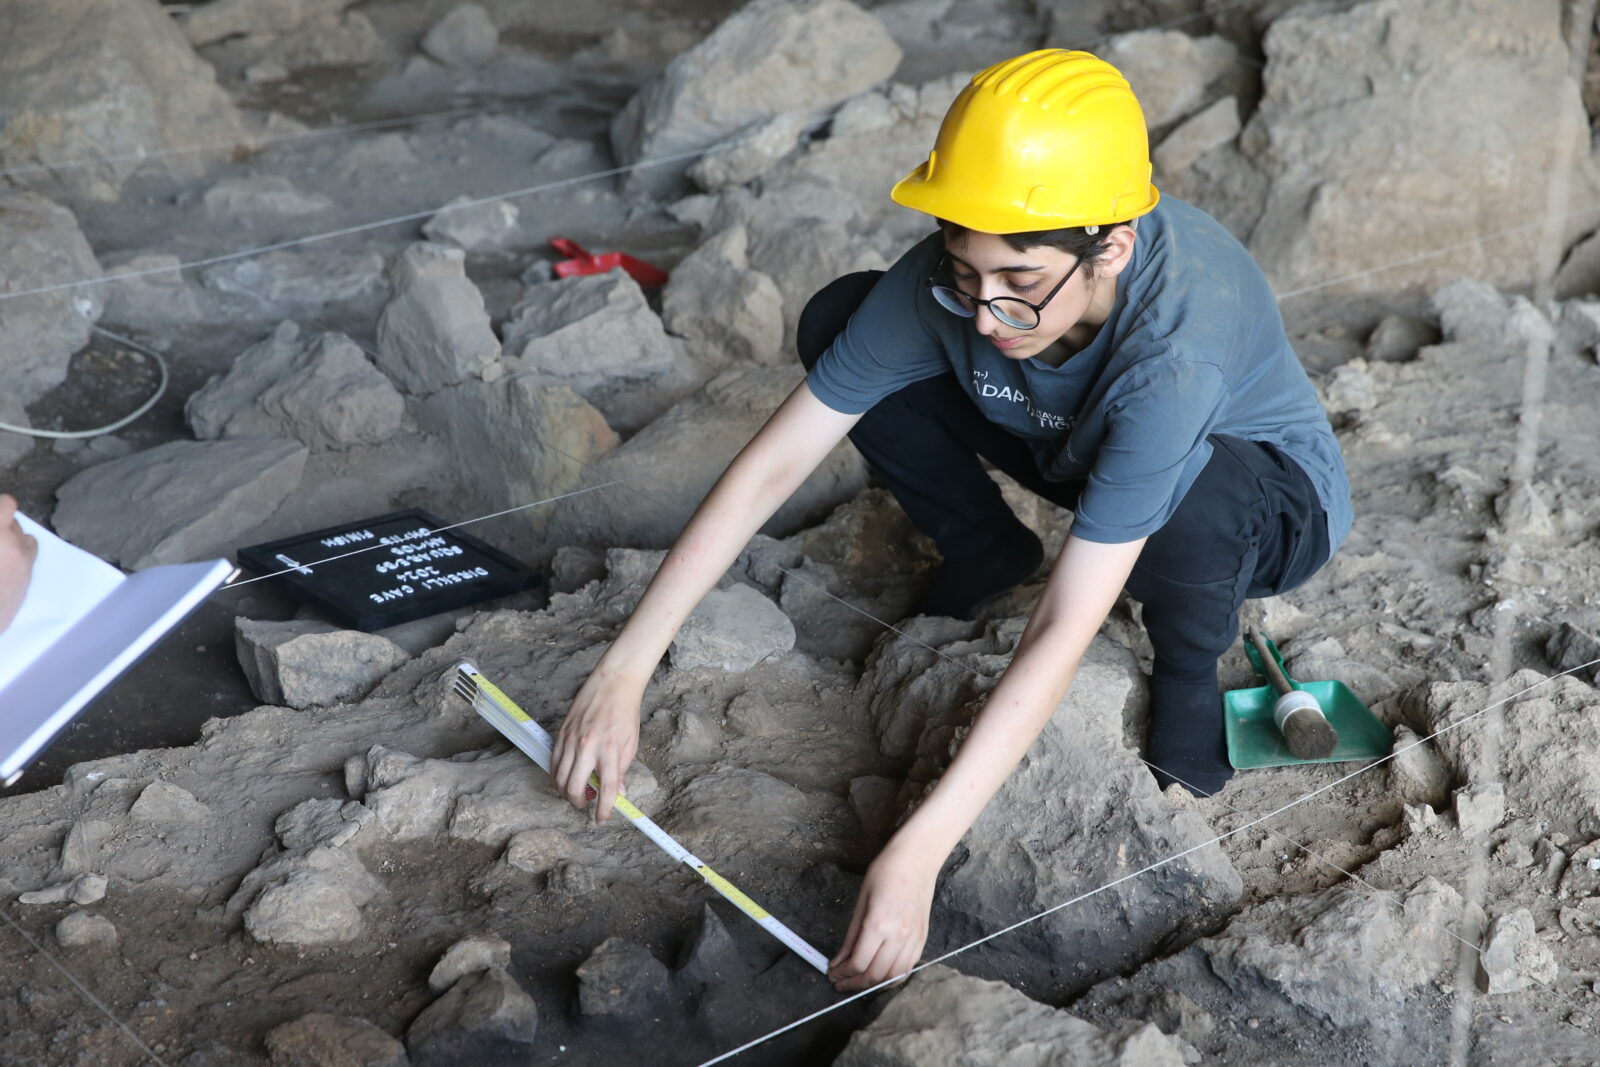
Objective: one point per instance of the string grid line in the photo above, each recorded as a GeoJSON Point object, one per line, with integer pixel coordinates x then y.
{"type": "Point", "coordinates": [532, 190]}
{"type": "Point", "coordinates": [1141, 871]}
{"type": "Point", "coordinates": [83, 990]}
{"type": "Point", "coordinates": [262, 141]}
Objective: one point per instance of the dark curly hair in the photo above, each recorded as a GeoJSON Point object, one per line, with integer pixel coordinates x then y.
{"type": "Point", "coordinates": [1073, 240]}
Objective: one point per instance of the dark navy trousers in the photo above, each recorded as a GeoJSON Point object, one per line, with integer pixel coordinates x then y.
{"type": "Point", "coordinates": [1250, 526]}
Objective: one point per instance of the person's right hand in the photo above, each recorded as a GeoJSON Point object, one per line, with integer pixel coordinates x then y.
{"type": "Point", "coordinates": [17, 553]}
{"type": "Point", "coordinates": [600, 734]}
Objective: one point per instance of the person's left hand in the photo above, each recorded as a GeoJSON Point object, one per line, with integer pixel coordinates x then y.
{"type": "Point", "coordinates": [890, 924]}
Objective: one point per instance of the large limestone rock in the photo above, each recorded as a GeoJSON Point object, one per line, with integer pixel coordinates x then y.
{"type": "Point", "coordinates": [177, 502]}
{"type": "Point", "coordinates": [725, 310]}
{"type": "Point", "coordinates": [471, 225]}
{"type": "Point", "coordinates": [468, 956]}
{"type": "Point", "coordinates": [321, 1040]}
{"type": "Point", "coordinates": [434, 331]}
{"type": "Point", "coordinates": [1546, 766]}
{"type": "Point", "coordinates": [304, 281]}
{"type": "Point", "coordinates": [310, 888]}
{"type": "Point", "coordinates": [1079, 812]}
{"type": "Point", "coordinates": [1379, 131]}
{"type": "Point", "coordinates": [322, 391]}
{"type": "Point", "coordinates": [732, 629]}
{"type": "Point", "coordinates": [305, 663]}
{"type": "Point", "coordinates": [595, 334]}
{"type": "Point", "coordinates": [153, 295]}
{"type": "Point", "coordinates": [823, 211]}
{"type": "Point", "coordinates": [1514, 958]}
{"type": "Point", "coordinates": [1169, 70]}
{"type": "Point", "coordinates": [802, 257]}
{"type": "Point", "coordinates": [671, 464]}
{"type": "Point", "coordinates": [944, 1016]}
{"type": "Point", "coordinates": [466, 37]}
{"type": "Point", "coordinates": [1359, 968]}
{"type": "Point", "coordinates": [104, 79]}
{"type": "Point", "coordinates": [219, 19]}
{"type": "Point", "coordinates": [471, 797]}
{"type": "Point", "coordinates": [771, 57]}
{"type": "Point", "coordinates": [314, 897]}
{"type": "Point", "coordinates": [621, 982]}
{"type": "Point", "coordinates": [517, 440]}
{"type": "Point", "coordinates": [41, 245]}
{"type": "Point", "coordinates": [483, 1017]}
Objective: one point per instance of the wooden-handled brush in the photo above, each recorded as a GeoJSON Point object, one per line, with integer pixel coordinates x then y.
{"type": "Point", "coordinates": [1305, 729]}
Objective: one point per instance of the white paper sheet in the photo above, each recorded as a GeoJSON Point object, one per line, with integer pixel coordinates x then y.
{"type": "Point", "coordinates": [81, 625]}
{"type": "Point", "coordinates": [67, 582]}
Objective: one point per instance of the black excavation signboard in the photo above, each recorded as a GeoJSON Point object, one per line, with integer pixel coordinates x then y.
{"type": "Point", "coordinates": [381, 572]}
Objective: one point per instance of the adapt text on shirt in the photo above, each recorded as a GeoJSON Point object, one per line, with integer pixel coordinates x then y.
{"type": "Point", "coordinates": [988, 391]}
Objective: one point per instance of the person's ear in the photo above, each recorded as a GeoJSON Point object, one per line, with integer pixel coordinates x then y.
{"type": "Point", "coordinates": [1118, 254]}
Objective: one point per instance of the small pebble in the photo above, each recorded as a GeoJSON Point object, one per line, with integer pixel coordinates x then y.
{"type": "Point", "coordinates": [1254, 1024]}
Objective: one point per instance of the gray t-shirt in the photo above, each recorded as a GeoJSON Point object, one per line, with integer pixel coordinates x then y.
{"type": "Point", "coordinates": [1194, 345]}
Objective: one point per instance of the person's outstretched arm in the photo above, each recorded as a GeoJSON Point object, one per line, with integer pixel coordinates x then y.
{"type": "Point", "coordinates": [17, 552]}
{"type": "Point", "coordinates": [601, 730]}
{"type": "Point", "coordinates": [890, 924]}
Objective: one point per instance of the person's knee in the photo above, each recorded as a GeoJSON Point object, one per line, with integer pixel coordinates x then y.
{"type": "Point", "coordinates": [826, 313]}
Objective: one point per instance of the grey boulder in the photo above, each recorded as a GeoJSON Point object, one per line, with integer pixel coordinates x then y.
{"type": "Point", "coordinates": [944, 1016]}
{"type": "Point", "coordinates": [671, 464]}
{"type": "Point", "coordinates": [305, 663]}
{"type": "Point", "coordinates": [105, 80]}
{"type": "Point", "coordinates": [621, 982]}
{"type": "Point", "coordinates": [466, 37]}
{"type": "Point", "coordinates": [318, 1039]}
{"type": "Point", "coordinates": [732, 629]}
{"type": "Point", "coordinates": [1077, 814]}
{"type": "Point", "coordinates": [177, 502]}
{"type": "Point", "coordinates": [41, 246]}
{"type": "Point", "coordinates": [322, 391]}
{"type": "Point", "coordinates": [769, 58]}
{"type": "Point", "coordinates": [434, 331]}
{"type": "Point", "coordinates": [483, 1015]}
{"type": "Point", "coordinates": [725, 310]}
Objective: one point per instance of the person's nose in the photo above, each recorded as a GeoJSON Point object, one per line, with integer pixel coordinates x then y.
{"type": "Point", "coordinates": [984, 321]}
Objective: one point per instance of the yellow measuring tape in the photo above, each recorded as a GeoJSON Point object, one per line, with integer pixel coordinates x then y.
{"type": "Point", "coordinates": [501, 712]}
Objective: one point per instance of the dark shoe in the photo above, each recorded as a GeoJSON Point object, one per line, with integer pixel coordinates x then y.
{"type": "Point", "coordinates": [963, 585]}
{"type": "Point", "coordinates": [1186, 743]}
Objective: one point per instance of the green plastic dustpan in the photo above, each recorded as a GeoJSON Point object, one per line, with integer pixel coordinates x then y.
{"type": "Point", "coordinates": [1253, 738]}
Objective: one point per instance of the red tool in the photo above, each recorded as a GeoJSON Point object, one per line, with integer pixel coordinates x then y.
{"type": "Point", "coordinates": [579, 261]}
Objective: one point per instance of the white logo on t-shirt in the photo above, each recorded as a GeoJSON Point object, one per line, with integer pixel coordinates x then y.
{"type": "Point", "coordinates": [987, 391]}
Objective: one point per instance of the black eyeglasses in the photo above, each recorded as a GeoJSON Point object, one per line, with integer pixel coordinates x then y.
{"type": "Point", "coordinates": [1013, 311]}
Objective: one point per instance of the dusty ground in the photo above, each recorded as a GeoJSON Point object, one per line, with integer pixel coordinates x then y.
{"type": "Point", "coordinates": [1410, 600]}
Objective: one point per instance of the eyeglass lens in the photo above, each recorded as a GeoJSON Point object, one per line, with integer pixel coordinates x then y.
{"type": "Point", "coordinates": [1014, 313]}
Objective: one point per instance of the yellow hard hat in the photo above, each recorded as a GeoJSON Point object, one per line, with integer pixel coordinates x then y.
{"type": "Point", "coordinates": [1039, 142]}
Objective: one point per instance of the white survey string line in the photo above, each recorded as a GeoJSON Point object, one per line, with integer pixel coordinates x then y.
{"type": "Point", "coordinates": [398, 121]}
{"type": "Point", "coordinates": [256, 143]}
{"type": "Point", "coordinates": [1536, 351]}
{"type": "Point", "coordinates": [82, 989]}
{"type": "Point", "coordinates": [416, 216]}
{"type": "Point", "coordinates": [978, 674]}
{"type": "Point", "coordinates": [1146, 869]}
{"type": "Point", "coordinates": [364, 227]}
{"type": "Point", "coordinates": [1432, 253]}
{"type": "Point", "coordinates": [1390, 893]}
{"type": "Point", "coordinates": [511, 195]}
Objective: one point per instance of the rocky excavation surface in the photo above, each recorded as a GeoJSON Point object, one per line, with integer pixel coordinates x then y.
{"type": "Point", "coordinates": [334, 861]}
